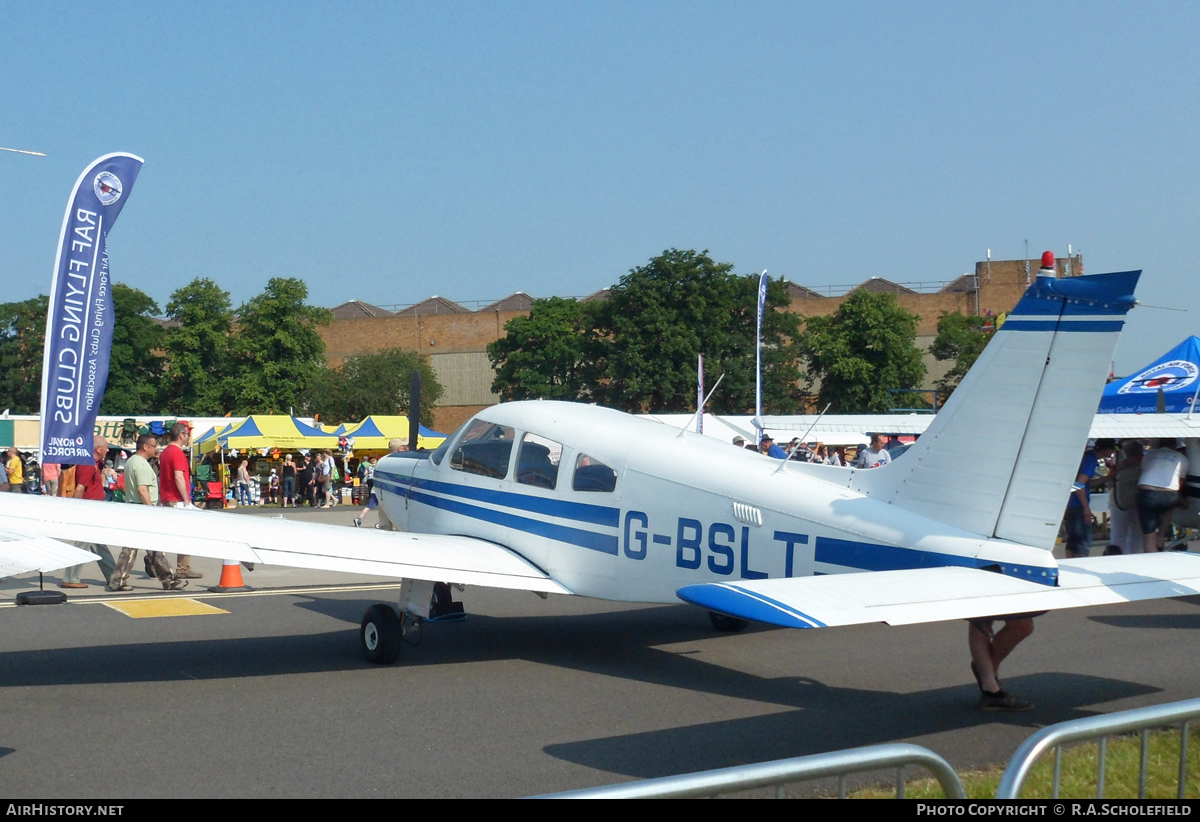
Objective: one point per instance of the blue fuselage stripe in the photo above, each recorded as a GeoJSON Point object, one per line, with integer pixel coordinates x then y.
{"type": "Point", "coordinates": [579, 511]}
{"type": "Point", "coordinates": [866, 556]}
{"type": "Point", "coordinates": [604, 543]}
{"type": "Point", "coordinates": [1014, 324]}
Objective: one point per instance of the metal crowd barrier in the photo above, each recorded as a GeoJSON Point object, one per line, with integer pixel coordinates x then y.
{"type": "Point", "coordinates": [1099, 727]}
{"type": "Point", "coordinates": [782, 772]}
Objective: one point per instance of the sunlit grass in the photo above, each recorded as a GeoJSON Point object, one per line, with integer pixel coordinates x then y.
{"type": "Point", "coordinates": [1079, 764]}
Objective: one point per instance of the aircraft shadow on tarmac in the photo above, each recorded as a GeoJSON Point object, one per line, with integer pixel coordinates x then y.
{"type": "Point", "coordinates": [621, 644]}
{"type": "Point", "coordinates": [835, 719]}
{"type": "Point", "coordinates": [1171, 621]}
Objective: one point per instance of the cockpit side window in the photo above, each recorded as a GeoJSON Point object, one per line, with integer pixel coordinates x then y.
{"type": "Point", "coordinates": [485, 449]}
{"type": "Point", "coordinates": [593, 475]}
{"type": "Point", "coordinates": [538, 461]}
{"type": "Point", "coordinates": [440, 452]}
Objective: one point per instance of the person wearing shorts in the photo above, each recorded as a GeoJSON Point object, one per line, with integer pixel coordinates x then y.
{"type": "Point", "coordinates": [988, 649]}
{"type": "Point", "coordinates": [1163, 470]}
{"type": "Point", "coordinates": [1077, 522]}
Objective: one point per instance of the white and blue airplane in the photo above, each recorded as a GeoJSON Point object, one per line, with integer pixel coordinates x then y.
{"type": "Point", "coordinates": [566, 498]}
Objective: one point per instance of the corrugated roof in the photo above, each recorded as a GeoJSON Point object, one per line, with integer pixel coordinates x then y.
{"type": "Point", "coordinates": [517, 301]}
{"type": "Point", "coordinates": [965, 283]}
{"type": "Point", "coordinates": [434, 305]}
{"type": "Point", "coordinates": [878, 285]}
{"type": "Point", "coordinates": [799, 292]}
{"type": "Point", "coordinates": [357, 310]}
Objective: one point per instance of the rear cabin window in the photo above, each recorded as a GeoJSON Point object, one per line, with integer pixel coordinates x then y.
{"type": "Point", "coordinates": [485, 449]}
{"type": "Point", "coordinates": [537, 462]}
{"type": "Point", "coordinates": [593, 475]}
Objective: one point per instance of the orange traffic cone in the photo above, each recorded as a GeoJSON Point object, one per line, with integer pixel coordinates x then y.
{"type": "Point", "coordinates": [231, 578]}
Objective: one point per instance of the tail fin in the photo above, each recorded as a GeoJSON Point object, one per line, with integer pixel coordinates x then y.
{"type": "Point", "coordinates": [1000, 456]}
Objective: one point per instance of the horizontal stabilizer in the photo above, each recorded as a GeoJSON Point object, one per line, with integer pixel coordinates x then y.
{"type": "Point", "coordinates": [20, 554]}
{"type": "Point", "coordinates": [938, 594]}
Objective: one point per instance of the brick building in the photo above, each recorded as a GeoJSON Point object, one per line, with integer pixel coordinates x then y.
{"type": "Point", "coordinates": [455, 336]}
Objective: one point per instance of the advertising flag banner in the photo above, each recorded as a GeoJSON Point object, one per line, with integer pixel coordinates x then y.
{"type": "Point", "coordinates": [79, 323]}
{"type": "Point", "coordinates": [762, 304]}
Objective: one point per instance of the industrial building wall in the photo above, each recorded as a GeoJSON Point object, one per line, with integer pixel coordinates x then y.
{"type": "Point", "coordinates": [466, 378]}
{"type": "Point", "coordinates": [456, 343]}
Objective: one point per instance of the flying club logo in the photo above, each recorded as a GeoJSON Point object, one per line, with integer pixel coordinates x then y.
{"type": "Point", "coordinates": [1169, 376]}
{"type": "Point", "coordinates": [107, 187]}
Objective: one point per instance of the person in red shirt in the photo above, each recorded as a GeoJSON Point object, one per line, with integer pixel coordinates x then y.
{"type": "Point", "coordinates": [175, 486]}
{"type": "Point", "coordinates": [89, 484]}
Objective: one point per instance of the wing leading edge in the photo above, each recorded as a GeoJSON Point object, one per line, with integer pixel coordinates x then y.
{"type": "Point", "coordinates": [39, 521]}
{"type": "Point", "coordinates": [938, 594]}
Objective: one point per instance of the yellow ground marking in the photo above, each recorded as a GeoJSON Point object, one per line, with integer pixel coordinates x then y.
{"type": "Point", "coordinates": [298, 590]}
{"type": "Point", "coordinates": [164, 608]}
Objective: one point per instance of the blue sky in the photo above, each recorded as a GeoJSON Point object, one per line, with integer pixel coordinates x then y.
{"type": "Point", "coordinates": [391, 151]}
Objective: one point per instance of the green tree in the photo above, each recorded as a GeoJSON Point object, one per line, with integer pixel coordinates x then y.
{"type": "Point", "coordinates": [962, 339]}
{"type": "Point", "coordinates": [542, 355]}
{"type": "Point", "coordinates": [198, 350]}
{"type": "Point", "coordinates": [277, 350]}
{"type": "Point", "coordinates": [377, 383]}
{"type": "Point", "coordinates": [659, 317]}
{"type": "Point", "coordinates": [136, 365]}
{"type": "Point", "coordinates": [22, 341]}
{"type": "Point", "coordinates": [860, 351]}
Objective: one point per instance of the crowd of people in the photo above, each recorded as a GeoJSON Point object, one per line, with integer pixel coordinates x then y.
{"type": "Point", "coordinates": [159, 473]}
{"type": "Point", "coordinates": [153, 475]}
{"type": "Point", "coordinates": [872, 456]}
{"type": "Point", "coordinates": [1145, 486]}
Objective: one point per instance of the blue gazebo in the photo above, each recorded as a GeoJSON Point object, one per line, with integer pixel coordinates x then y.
{"type": "Point", "coordinates": [1174, 373]}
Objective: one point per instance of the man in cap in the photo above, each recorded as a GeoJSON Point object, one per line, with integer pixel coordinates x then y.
{"type": "Point", "coordinates": [767, 446]}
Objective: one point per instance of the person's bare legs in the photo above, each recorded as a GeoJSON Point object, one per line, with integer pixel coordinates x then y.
{"type": "Point", "coordinates": [980, 643]}
{"type": "Point", "coordinates": [989, 649]}
{"type": "Point", "coordinates": [1150, 542]}
{"type": "Point", "coordinates": [1014, 632]}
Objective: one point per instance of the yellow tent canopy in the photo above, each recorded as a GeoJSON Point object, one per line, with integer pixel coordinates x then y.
{"type": "Point", "coordinates": [266, 431]}
{"type": "Point", "coordinates": [373, 433]}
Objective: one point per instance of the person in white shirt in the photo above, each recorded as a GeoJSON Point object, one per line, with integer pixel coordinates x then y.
{"type": "Point", "coordinates": [1163, 470]}
{"type": "Point", "coordinates": [874, 456]}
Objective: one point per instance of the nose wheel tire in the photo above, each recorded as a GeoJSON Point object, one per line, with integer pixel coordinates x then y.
{"type": "Point", "coordinates": [727, 623]}
{"type": "Point", "coordinates": [381, 635]}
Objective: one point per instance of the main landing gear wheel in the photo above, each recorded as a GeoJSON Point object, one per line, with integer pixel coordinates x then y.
{"type": "Point", "coordinates": [381, 635]}
{"type": "Point", "coordinates": [727, 623]}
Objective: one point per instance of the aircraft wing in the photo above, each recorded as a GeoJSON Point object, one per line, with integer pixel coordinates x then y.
{"type": "Point", "coordinates": [21, 553]}
{"type": "Point", "coordinates": [433, 557]}
{"type": "Point", "coordinates": [853, 427]}
{"type": "Point", "coordinates": [1126, 426]}
{"type": "Point", "coordinates": [938, 594]}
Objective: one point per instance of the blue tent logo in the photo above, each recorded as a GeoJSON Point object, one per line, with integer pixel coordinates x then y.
{"type": "Point", "coordinates": [1175, 374]}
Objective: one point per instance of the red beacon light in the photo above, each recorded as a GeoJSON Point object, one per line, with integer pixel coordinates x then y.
{"type": "Point", "coordinates": [1048, 267]}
